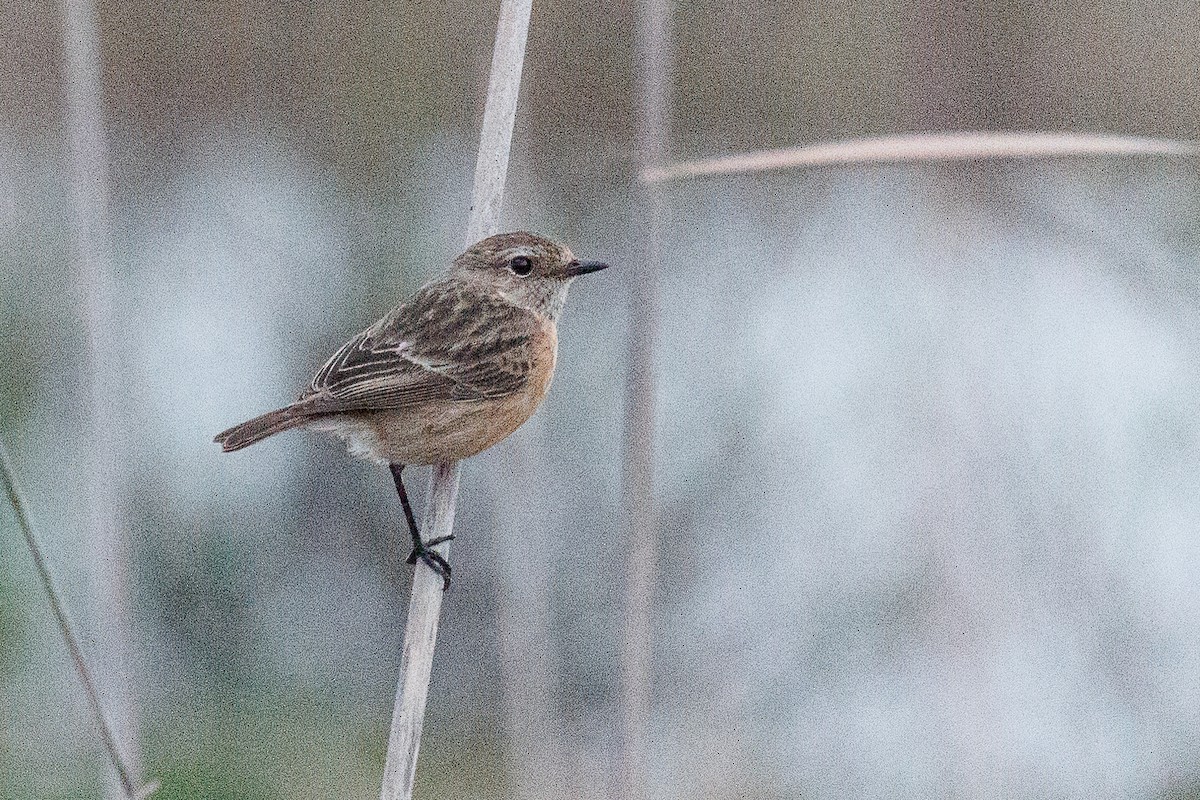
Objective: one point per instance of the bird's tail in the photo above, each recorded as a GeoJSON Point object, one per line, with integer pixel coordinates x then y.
{"type": "Point", "coordinates": [259, 428]}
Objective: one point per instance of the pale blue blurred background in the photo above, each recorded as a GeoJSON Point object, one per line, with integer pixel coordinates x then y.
{"type": "Point", "coordinates": [929, 448]}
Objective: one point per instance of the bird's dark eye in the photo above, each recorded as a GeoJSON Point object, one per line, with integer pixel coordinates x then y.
{"type": "Point", "coordinates": [521, 265]}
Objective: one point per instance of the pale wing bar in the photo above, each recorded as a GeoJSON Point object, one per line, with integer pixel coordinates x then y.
{"type": "Point", "coordinates": [384, 368]}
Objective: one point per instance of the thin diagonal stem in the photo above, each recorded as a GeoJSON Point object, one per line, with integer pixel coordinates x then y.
{"type": "Point", "coordinates": [925, 146]}
{"type": "Point", "coordinates": [65, 626]}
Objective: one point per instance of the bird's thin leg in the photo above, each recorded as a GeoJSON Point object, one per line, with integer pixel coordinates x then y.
{"type": "Point", "coordinates": [421, 549]}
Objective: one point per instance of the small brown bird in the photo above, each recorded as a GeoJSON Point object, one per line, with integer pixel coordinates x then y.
{"type": "Point", "coordinates": [445, 375]}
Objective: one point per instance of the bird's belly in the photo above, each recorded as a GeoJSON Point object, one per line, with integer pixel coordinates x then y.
{"type": "Point", "coordinates": [433, 432]}
{"type": "Point", "coordinates": [453, 430]}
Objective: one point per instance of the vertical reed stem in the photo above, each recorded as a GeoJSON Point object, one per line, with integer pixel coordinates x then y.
{"type": "Point", "coordinates": [653, 52]}
{"type": "Point", "coordinates": [424, 609]}
{"type": "Point", "coordinates": [92, 241]}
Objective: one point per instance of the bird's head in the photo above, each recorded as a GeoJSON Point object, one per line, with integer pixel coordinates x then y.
{"type": "Point", "coordinates": [530, 270]}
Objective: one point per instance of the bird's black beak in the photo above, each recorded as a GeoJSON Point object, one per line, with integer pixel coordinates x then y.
{"type": "Point", "coordinates": [577, 268]}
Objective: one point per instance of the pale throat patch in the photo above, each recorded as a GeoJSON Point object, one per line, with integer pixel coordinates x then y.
{"type": "Point", "coordinates": [555, 299]}
{"type": "Point", "coordinates": [544, 296]}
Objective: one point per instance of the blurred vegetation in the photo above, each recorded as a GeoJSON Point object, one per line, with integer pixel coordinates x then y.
{"type": "Point", "coordinates": [12, 628]}
{"type": "Point", "coordinates": [281, 174]}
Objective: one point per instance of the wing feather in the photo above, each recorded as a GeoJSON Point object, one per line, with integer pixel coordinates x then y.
{"type": "Point", "coordinates": [450, 342]}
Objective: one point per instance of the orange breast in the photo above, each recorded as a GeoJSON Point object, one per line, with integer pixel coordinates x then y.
{"type": "Point", "coordinates": [448, 430]}
{"type": "Point", "coordinates": [505, 415]}
{"type": "Point", "coordinates": [545, 347]}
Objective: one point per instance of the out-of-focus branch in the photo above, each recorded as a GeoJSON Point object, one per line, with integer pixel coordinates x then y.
{"type": "Point", "coordinates": [92, 245]}
{"type": "Point", "coordinates": [641, 519]}
{"type": "Point", "coordinates": [17, 500]}
{"type": "Point", "coordinates": [913, 147]}
{"type": "Point", "coordinates": [424, 609]}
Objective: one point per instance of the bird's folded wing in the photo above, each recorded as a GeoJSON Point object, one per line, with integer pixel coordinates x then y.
{"type": "Point", "coordinates": [440, 346]}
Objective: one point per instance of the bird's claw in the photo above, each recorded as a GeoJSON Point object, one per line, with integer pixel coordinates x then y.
{"type": "Point", "coordinates": [432, 558]}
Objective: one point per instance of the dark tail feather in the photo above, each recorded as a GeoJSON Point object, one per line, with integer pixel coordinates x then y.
{"type": "Point", "coordinates": [259, 428]}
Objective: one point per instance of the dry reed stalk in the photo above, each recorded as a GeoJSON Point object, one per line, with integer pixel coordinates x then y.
{"type": "Point", "coordinates": [125, 774]}
{"type": "Point", "coordinates": [653, 50]}
{"type": "Point", "coordinates": [653, 44]}
{"type": "Point", "coordinates": [424, 608]}
{"type": "Point", "coordinates": [914, 147]}
{"type": "Point", "coordinates": [92, 241]}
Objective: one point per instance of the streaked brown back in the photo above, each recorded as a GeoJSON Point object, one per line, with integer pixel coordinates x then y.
{"type": "Point", "coordinates": [455, 339]}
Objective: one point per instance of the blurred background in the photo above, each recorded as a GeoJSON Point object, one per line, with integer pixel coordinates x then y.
{"type": "Point", "coordinates": [928, 446]}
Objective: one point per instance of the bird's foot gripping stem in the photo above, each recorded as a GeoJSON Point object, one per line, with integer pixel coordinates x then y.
{"type": "Point", "coordinates": [433, 559]}
{"type": "Point", "coordinates": [422, 549]}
